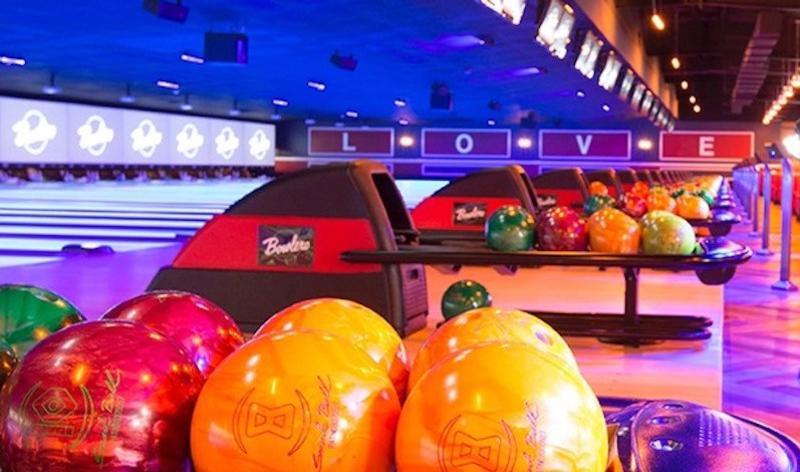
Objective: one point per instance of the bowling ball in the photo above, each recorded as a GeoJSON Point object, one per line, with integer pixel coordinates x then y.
{"type": "Point", "coordinates": [353, 322]}
{"type": "Point", "coordinates": [8, 360]}
{"type": "Point", "coordinates": [101, 395]}
{"type": "Point", "coordinates": [611, 230]}
{"type": "Point", "coordinates": [296, 401]}
{"type": "Point", "coordinates": [659, 199]}
{"type": "Point", "coordinates": [488, 325]}
{"type": "Point", "coordinates": [29, 314]}
{"type": "Point", "coordinates": [666, 233]}
{"type": "Point", "coordinates": [692, 207]}
{"type": "Point", "coordinates": [202, 328]}
{"type": "Point", "coordinates": [598, 188]}
{"type": "Point", "coordinates": [462, 296]}
{"type": "Point", "coordinates": [510, 228]}
{"type": "Point", "coordinates": [634, 205]}
{"type": "Point", "coordinates": [641, 189]}
{"type": "Point", "coordinates": [562, 229]}
{"type": "Point", "coordinates": [501, 407]}
{"type": "Point", "coordinates": [596, 202]}
{"type": "Point", "coordinates": [678, 193]}
{"type": "Point", "coordinates": [705, 195]}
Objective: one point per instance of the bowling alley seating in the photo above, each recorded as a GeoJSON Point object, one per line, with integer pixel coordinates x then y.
{"type": "Point", "coordinates": [567, 187]}
{"type": "Point", "coordinates": [609, 178]}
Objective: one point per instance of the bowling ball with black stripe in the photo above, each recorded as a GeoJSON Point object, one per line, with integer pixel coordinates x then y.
{"type": "Point", "coordinates": [296, 401]}
{"type": "Point", "coordinates": [99, 396]}
{"type": "Point", "coordinates": [504, 407]}
{"type": "Point", "coordinates": [352, 322]}
{"type": "Point", "coordinates": [510, 228]}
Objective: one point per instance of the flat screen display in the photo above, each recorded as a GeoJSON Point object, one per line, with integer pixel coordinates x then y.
{"type": "Point", "coordinates": [627, 84]}
{"type": "Point", "coordinates": [638, 93]}
{"type": "Point", "coordinates": [611, 69]}
{"type": "Point", "coordinates": [555, 28]}
{"type": "Point", "coordinates": [511, 10]}
{"type": "Point", "coordinates": [588, 54]}
{"type": "Point", "coordinates": [647, 102]}
{"type": "Point", "coordinates": [50, 132]}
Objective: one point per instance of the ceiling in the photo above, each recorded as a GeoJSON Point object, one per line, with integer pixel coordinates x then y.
{"type": "Point", "coordinates": [710, 38]}
{"type": "Point", "coordinates": [96, 47]}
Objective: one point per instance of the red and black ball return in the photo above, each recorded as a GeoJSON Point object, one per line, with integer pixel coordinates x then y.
{"type": "Point", "coordinates": [343, 230]}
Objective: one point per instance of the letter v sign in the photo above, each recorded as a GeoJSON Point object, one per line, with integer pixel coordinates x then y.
{"type": "Point", "coordinates": [583, 143]}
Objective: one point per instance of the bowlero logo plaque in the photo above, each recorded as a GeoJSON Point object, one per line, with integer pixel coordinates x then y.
{"type": "Point", "coordinates": [285, 246]}
{"type": "Point", "coordinates": [469, 214]}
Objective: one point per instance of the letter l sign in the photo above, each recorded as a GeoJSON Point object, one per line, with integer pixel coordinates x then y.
{"type": "Point", "coordinates": [346, 146]}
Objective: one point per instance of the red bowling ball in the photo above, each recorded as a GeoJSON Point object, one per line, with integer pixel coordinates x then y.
{"type": "Point", "coordinates": [204, 330]}
{"type": "Point", "coordinates": [562, 229]}
{"type": "Point", "coordinates": [102, 395]}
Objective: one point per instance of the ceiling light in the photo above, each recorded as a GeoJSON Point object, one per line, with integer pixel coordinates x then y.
{"type": "Point", "coordinates": [795, 81]}
{"type": "Point", "coordinates": [406, 141]}
{"type": "Point", "coordinates": [696, 108]}
{"type": "Point", "coordinates": [606, 108]}
{"type": "Point", "coordinates": [186, 57]}
{"type": "Point", "coordinates": [318, 86]}
{"type": "Point", "coordinates": [525, 142]}
{"type": "Point", "coordinates": [692, 99]}
{"type": "Point", "coordinates": [491, 122]}
{"type": "Point", "coordinates": [402, 122]}
{"type": "Point", "coordinates": [645, 144]}
{"type": "Point", "coordinates": [235, 111]}
{"type": "Point", "coordinates": [275, 117]}
{"type": "Point", "coordinates": [351, 114]}
{"type": "Point", "coordinates": [310, 121]}
{"type": "Point", "coordinates": [167, 84]}
{"type": "Point", "coordinates": [399, 102]}
{"type": "Point", "coordinates": [580, 93]}
{"type": "Point", "coordinates": [676, 63]}
{"type": "Point", "coordinates": [783, 100]}
{"type": "Point", "coordinates": [279, 102]}
{"type": "Point", "coordinates": [658, 22]}
{"type": "Point", "coordinates": [684, 85]}
{"type": "Point", "coordinates": [12, 61]}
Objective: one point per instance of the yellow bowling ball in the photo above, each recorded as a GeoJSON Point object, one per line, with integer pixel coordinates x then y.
{"type": "Point", "coordinates": [295, 401]}
{"type": "Point", "coordinates": [353, 322]}
{"type": "Point", "coordinates": [488, 325]}
{"type": "Point", "coordinates": [503, 407]}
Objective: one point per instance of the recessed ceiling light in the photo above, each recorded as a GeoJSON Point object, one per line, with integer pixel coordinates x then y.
{"type": "Point", "coordinates": [692, 99]}
{"type": "Point", "coordinates": [658, 22]}
{"type": "Point", "coordinates": [319, 86]}
{"type": "Point", "coordinates": [310, 121]}
{"type": "Point", "coordinates": [279, 102]}
{"type": "Point", "coordinates": [406, 141]}
{"type": "Point", "coordinates": [399, 102]}
{"type": "Point", "coordinates": [186, 57]}
{"type": "Point", "coordinates": [580, 93]}
{"type": "Point", "coordinates": [525, 142]}
{"type": "Point", "coordinates": [168, 84]}
{"type": "Point", "coordinates": [696, 108]}
{"type": "Point", "coordinates": [684, 85]}
{"type": "Point", "coordinates": [606, 108]}
{"type": "Point", "coordinates": [645, 144]}
{"type": "Point", "coordinates": [491, 122]}
{"type": "Point", "coordinates": [402, 121]}
{"type": "Point", "coordinates": [351, 114]}
{"type": "Point", "coordinates": [676, 63]}
{"type": "Point", "coordinates": [12, 61]}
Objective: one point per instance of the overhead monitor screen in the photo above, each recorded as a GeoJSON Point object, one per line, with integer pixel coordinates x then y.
{"type": "Point", "coordinates": [638, 93]}
{"type": "Point", "coordinates": [627, 84]}
{"type": "Point", "coordinates": [647, 102]}
{"type": "Point", "coordinates": [555, 28]}
{"type": "Point", "coordinates": [589, 52]}
{"type": "Point", "coordinates": [45, 132]}
{"type": "Point", "coordinates": [610, 74]}
{"type": "Point", "coordinates": [512, 10]}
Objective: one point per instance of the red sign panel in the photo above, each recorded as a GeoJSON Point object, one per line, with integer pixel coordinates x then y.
{"type": "Point", "coordinates": [682, 145]}
{"type": "Point", "coordinates": [584, 144]}
{"type": "Point", "coordinates": [369, 142]}
{"type": "Point", "coordinates": [486, 143]}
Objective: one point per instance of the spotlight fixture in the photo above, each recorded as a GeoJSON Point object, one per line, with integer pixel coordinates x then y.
{"type": "Point", "coordinates": [275, 117]}
{"type": "Point", "coordinates": [318, 86]}
{"type": "Point", "coordinates": [406, 141]}
{"type": "Point", "coordinates": [524, 142]}
{"type": "Point", "coordinates": [402, 122]}
{"type": "Point", "coordinates": [675, 62]}
{"type": "Point", "coordinates": [310, 121]}
{"type": "Point", "coordinates": [645, 144]}
{"type": "Point", "coordinates": [684, 85]}
{"type": "Point", "coordinates": [399, 102]}
{"type": "Point", "coordinates": [186, 106]}
{"type": "Point", "coordinates": [491, 122]}
{"type": "Point", "coordinates": [606, 108]}
{"type": "Point", "coordinates": [226, 48]}
{"type": "Point", "coordinates": [692, 99]}
{"type": "Point", "coordinates": [128, 97]}
{"type": "Point", "coordinates": [167, 84]}
{"type": "Point", "coordinates": [795, 82]}
{"type": "Point", "coordinates": [186, 57]}
{"type": "Point", "coordinates": [696, 108]}
{"type": "Point", "coordinates": [657, 21]}
{"type": "Point", "coordinates": [51, 88]}
{"type": "Point", "coordinates": [12, 61]}
{"type": "Point", "coordinates": [580, 93]}
{"type": "Point", "coordinates": [351, 114]}
{"type": "Point", "coordinates": [348, 63]}
{"type": "Point", "coordinates": [279, 102]}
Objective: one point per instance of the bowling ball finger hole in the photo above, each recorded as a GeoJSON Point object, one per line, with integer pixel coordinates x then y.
{"type": "Point", "coordinates": [673, 406]}
{"type": "Point", "coordinates": [661, 420]}
{"type": "Point", "coordinates": [543, 337]}
{"type": "Point", "coordinates": [666, 445]}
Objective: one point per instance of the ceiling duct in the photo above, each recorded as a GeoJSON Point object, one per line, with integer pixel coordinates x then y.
{"type": "Point", "coordinates": [755, 61]}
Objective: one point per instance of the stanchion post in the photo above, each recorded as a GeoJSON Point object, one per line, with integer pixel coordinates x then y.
{"type": "Point", "coordinates": [765, 224]}
{"type": "Point", "coordinates": [754, 203]}
{"type": "Point", "coordinates": [787, 181]}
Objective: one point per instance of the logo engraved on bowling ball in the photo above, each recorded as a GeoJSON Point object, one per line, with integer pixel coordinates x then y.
{"type": "Point", "coordinates": [470, 440]}
{"type": "Point", "coordinates": [290, 421]}
{"type": "Point", "coordinates": [469, 214]}
{"type": "Point", "coordinates": [55, 412]}
{"type": "Point", "coordinates": [285, 246]}
{"type": "Point", "coordinates": [52, 407]}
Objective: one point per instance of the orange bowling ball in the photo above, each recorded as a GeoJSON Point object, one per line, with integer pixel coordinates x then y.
{"type": "Point", "coordinates": [598, 188]}
{"type": "Point", "coordinates": [641, 189]}
{"type": "Point", "coordinates": [611, 230]}
{"type": "Point", "coordinates": [504, 407]}
{"type": "Point", "coordinates": [488, 325]}
{"type": "Point", "coordinates": [692, 207]}
{"type": "Point", "coordinates": [295, 401]}
{"type": "Point", "coordinates": [660, 199]}
{"type": "Point", "coordinates": [353, 322]}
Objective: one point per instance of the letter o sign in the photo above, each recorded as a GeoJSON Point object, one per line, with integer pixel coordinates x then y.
{"type": "Point", "coordinates": [464, 143]}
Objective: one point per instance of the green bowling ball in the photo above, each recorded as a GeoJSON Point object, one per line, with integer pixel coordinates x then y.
{"type": "Point", "coordinates": [462, 296]}
{"type": "Point", "coordinates": [705, 196]}
{"type": "Point", "coordinates": [665, 233]}
{"type": "Point", "coordinates": [678, 193]}
{"type": "Point", "coordinates": [510, 228]}
{"type": "Point", "coordinates": [29, 314]}
{"type": "Point", "coordinates": [597, 202]}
